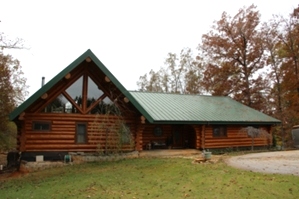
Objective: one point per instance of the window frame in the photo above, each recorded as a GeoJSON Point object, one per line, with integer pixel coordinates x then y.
{"type": "Point", "coordinates": [158, 131]}
{"type": "Point", "coordinates": [77, 133]}
{"type": "Point", "coordinates": [42, 123]}
{"type": "Point", "coordinates": [222, 131]}
{"type": "Point", "coordinates": [126, 135]}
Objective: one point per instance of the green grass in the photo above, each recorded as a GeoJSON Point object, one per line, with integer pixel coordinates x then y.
{"type": "Point", "coordinates": [150, 178]}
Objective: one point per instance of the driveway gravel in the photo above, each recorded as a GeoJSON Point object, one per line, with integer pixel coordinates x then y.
{"type": "Point", "coordinates": [281, 162]}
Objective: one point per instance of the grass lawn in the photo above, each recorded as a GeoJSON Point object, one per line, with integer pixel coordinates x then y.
{"type": "Point", "coordinates": [149, 178]}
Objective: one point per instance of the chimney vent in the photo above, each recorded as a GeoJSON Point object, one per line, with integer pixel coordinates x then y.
{"type": "Point", "coordinates": [43, 81]}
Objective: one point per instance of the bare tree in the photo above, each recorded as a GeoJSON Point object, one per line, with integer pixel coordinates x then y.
{"type": "Point", "coordinates": [255, 133]}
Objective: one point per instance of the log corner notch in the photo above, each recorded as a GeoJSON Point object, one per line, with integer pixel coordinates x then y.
{"type": "Point", "coordinates": [142, 118]}
{"type": "Point", "coordinates": [88, 59]}
{"type": "Point", "coordinates": [44, 96]}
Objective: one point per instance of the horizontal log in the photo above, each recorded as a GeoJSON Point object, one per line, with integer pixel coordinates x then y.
{"type": "Point", "coordinates": [63, 122]}
{"type": "Point", "coordinates": [68, 150]}
{"type": "Point", "coordinates": [72, 141]}
{"type": "Point", "coordinates": [59, 146]}
{"type": "Point", "coordinates": [234, 140]}
{"type": "Point", "coordinates": [74, 147]}
{"type": "Point", "coordinates": [49, 136]}
{"type": "Point", "coordinates": [229, 146]}
{"type": "Point", "coordinates": [33, 133]}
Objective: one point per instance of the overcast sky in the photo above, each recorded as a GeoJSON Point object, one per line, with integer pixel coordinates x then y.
{"type": "Point", "coordinates": [129, 37]}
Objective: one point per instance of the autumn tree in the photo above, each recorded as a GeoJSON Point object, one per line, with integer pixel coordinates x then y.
{"type": "Point", "coordinates": [12, 88]}
{"type": "Point", "coordinates": [283, 48]}
{"type": "Point", "coordinates": [180, 74]}
{"type": "Point", "coordinates": [233, 52]}
{"type": "Point", "coordinates": [289, 52]}
{"type": "Point", "coordinates": [274, 62]}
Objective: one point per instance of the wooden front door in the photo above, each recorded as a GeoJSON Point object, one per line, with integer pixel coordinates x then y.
{"type": "Point", "coordinates": [177, 136]}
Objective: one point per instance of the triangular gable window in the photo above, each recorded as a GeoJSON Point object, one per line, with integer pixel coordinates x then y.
{"type": "Point", "coordinates": [93, 92]}
{"type": "Point", "coordinates": [105, 106]}
{"type": "Point", "coordinates": [75, 91]}
{"type": "Point", "coordinates": [72, 99]}
{"type": "Point", "coordinates": [60, 105]}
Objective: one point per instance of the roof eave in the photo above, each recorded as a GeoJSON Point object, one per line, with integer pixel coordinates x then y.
{"type": "Point", "coordinates": [217, 122]}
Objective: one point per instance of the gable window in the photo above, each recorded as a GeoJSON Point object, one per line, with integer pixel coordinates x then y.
{"type": "Point", "coordinates": [219, 131]}
{"type": "Point", "coordinates": [81, 133]}
{"type": "Point", "coordinates": [41, 126]}
{"type": "Point", "coordinates": [83, 96]}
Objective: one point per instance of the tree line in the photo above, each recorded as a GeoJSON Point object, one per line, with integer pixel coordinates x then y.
{"type": "Point", "coordinates": [13, 90]}
{"type": "Point", "coordinates": [253, 62]}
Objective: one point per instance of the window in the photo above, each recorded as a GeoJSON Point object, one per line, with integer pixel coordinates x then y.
{"type": "Point", "coordinates": [158, 131]}
{"type": "Point", "coordinates": [81, 133]}
{"type": "Point", "coordinates": [219, 131]}
{"type": "Point", "coordinates": [41, 126]}
{"type": "Point", "coordinates": [125, 134]}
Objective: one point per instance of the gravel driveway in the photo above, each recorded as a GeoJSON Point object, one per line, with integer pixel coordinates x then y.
{"type": "Point", "coordinates": [282, 162]}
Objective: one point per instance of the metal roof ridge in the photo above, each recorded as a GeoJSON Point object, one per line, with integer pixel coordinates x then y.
{"type": "Point", "coordinates": [183, 94]}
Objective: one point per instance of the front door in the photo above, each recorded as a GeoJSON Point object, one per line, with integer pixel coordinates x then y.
{"type": "Point", "coordinates": [177, 136]}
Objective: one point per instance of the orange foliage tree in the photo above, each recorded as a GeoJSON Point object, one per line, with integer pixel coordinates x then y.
{"type": "Point", "coordinates": [234, 55]}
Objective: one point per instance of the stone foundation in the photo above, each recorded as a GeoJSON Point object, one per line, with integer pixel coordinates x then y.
{"type": "Point", "coordinates": [75, 158]}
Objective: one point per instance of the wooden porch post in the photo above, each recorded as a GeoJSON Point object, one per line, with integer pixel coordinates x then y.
{"type": "Point", "coordinates": [203, 129]}
{"type": "Point", "coordinates": [197, 136]}
{"type": "Point", "coordinates": [138, 141]}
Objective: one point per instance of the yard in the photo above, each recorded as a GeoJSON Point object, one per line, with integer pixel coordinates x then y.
{"type": "Point", "coordinates": [150, 178]}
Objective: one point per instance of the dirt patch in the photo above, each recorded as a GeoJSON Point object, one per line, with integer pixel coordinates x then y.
{"type": "Point", "coordinates": [282, 162]}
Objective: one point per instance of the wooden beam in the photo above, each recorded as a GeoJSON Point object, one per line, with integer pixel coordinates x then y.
{"type": "Point", "coordinates": [44, 96]}
{"type": "Point", "coordinates": [142, 118]}
{"type": "Point", "coordinates": [107, 79]}
{"type": "Point", "coordinates": [126, 99]}
{"type": "Point", "coordinates": [138, 138]}
{"type": "Point", "coordinates": [68, 76]}
{"type": "Point", "coordinates": [88, 59]}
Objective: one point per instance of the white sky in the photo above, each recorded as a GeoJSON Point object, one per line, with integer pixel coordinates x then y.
{"type": "Point", "coordinates": [129, 37]}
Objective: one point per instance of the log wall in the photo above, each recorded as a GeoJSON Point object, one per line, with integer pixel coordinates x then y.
{"type": "Point", "coordinates": [234, 138]}
{"type": "Point", "coordinates": [62, 136]}
{"type": "Point", "coordinates": [102, 137]}
{"type": "Point", "coordinates": [149, 137]}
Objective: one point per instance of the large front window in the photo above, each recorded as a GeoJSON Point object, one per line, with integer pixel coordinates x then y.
{"type": "Point", "coordinates": [82, 96]}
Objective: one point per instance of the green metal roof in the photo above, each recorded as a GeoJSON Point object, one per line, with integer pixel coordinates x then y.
{"type": "Point", "coordinates": [166, 108]}
{"type": "Point", "coordinates": [13, 115]}
{"type": "Point", "coordinates": [177, 108]}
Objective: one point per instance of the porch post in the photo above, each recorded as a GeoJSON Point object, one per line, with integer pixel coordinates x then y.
{"type": "Point", "coordinates": [197, 136]}
{"type": "Point", "coordinates": [203, 129]}
{"type": "Point", "coordinates": [138, 141]}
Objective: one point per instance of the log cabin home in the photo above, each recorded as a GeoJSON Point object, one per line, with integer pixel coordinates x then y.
{"type": "Point", "coordinates": [86, 109]}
